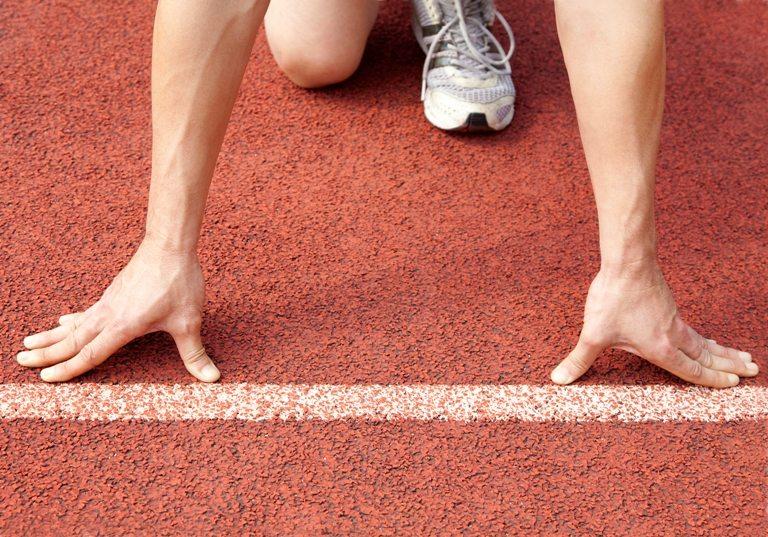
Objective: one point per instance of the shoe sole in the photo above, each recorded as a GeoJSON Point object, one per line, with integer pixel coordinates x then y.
{"type": "Point", "coordinates": [474, 122]}
{"type": "Point", "coordinates": [477, 122]}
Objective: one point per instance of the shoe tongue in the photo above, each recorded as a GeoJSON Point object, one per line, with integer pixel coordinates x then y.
{"type": "Point", "coordinates": [475, 12]}
{"type": "Point", "coordinates": [484, 8]}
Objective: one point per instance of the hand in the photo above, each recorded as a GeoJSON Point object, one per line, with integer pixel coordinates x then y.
{"type": "Point", "coordinates": [157, 290]}
{"type": "Point", "coordinates": [637, 313]}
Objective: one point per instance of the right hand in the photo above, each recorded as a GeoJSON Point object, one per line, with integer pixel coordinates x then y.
{"type": "Point", "coordinates": [157, 290]}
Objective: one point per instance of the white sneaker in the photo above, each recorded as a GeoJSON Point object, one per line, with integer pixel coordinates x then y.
{"type": "Point", "coordinates": [467, 79]}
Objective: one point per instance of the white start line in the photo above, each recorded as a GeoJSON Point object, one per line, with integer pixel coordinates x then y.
{"type": "Point", "coordinates": [421, 402]}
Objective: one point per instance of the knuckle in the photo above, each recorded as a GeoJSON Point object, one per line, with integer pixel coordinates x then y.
{"type": "Point", "coordinates": [579, 362]}
{"type": "Point", "coordinates": [590, 339]}
{"type": "Point", "coordinates": [88, 355]}
{"type": "Point", "coordinates": [680, 331]}
{"type": "Point", "coordinates": [703, 342]}
{"type": "Point", "coordinates": [189, 324]}
{"type": "Point", "coordinates": [100, 314]}
{"type": "Point", "coordinates": [705, 358]}
{"type": "Point", "coordinates": [128, 326]}
{"type": "Point", "coordinates": [197, 357]}
{"type": "Point", "coordinates": [73, 339]}
{"type": "Point", "coordinates": [665, 353]}
{"type": "Point", "coordinates": [695, 369]}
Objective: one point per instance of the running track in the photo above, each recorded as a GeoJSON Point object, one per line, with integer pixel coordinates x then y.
{"type": "Point", "coordinates": [385, 300]}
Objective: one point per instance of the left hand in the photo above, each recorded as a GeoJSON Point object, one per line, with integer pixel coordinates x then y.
{"type": "Point", "coordinates": [637, 313]}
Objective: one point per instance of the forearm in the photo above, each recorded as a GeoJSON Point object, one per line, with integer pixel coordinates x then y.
{"type": "Point", "coordinates": [200, 51]}
{"type": "Point", "coordinates": [614, 52]}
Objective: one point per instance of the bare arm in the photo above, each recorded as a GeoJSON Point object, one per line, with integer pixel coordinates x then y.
{"type": "Point", "coordinates": [200, 51]}
{"type": "Point", "coordinates": [615, 55]}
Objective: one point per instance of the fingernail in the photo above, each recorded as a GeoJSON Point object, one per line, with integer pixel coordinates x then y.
{"type": "Point", "coordinates": [210, 373]}
{"type": "Point", "coordinates": [752, 368]}
{"type": "Point", "coordinates": [733, 379]}
{"type": "Point", "coordinates": [46, 375]}
{"type": "Point", "coordinates": [22, 357]}
{"type": "Point", "coordinates": [29, 341]}
{"type": "Point", "coordinates": [745, 356]}
{"type": "Point", "coordinates": [561, 376]}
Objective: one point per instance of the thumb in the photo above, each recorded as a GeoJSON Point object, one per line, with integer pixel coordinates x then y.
{"type": "Point", "coordinates": [576, 363]}
{"type": "Point", "coordinates": [195, 358]}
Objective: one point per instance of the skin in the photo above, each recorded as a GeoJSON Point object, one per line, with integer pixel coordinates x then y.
{"type": "Point", "coordinates": [319, 42]}
{"type": "Point", "coordinates": [615, 55]}
{"type": "Point", "coordinates": [614, 52]}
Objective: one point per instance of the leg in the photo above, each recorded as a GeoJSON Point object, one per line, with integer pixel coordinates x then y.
{"type": "Point", "coordinates": [614, 52]}
{"type": "Point", "coordinates": [319, 42]}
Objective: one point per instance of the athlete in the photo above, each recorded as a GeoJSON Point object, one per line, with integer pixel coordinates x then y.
{"type": "Point", "coordinates": [615, 57]}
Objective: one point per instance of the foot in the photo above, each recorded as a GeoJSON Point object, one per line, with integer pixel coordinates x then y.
{"type": "Point", "coordinates": [633, 310]}
{"type": "Point", "coordinates": [467, 79]}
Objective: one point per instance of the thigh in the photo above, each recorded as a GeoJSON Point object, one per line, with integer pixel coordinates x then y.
{"type": "Point", "coordinates": [319, 35]}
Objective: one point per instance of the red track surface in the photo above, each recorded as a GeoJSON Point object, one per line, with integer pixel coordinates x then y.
{"type": "Point", "coordinates": [349, 242]}
{"type": "Point", "coordinates": [403, 478]}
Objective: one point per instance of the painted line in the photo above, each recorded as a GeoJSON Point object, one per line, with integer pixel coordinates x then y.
{"type": "Point", "coordinates": [260, 402]}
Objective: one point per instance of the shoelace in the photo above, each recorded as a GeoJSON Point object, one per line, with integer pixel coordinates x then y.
{"type": "Point", "coordinates": [464, 30]}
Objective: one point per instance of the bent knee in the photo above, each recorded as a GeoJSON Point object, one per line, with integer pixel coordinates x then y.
{"type": "Point", "coordinates": [311, 69]}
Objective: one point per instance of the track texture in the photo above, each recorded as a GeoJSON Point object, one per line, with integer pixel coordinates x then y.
{"type": "Point", "coordinates": [397, 479]}
{"type": "Point", "coordinates": [347, 241]}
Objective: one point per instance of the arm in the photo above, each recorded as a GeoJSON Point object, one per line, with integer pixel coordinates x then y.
{"type": "Point", "coordinates": [200, 51]}
{"type": "Point", "coordinates": [615, 56]}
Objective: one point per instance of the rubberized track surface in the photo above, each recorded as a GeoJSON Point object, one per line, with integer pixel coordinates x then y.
{"type": "Point", "coordinates": [348, 242]}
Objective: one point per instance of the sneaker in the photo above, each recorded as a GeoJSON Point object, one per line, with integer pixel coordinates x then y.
{"type": "Point", "coordinates": [467, 80]}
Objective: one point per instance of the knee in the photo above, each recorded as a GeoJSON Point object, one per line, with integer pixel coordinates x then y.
{"type": "Point", "coordinates": [315, 69]}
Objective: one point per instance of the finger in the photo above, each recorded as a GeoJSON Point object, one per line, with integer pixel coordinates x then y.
{"type": "Point", "coordinates": [71, 317]}
{"type": "Point", "coordinates": [47, 338]}
{"type": "Point", "coordinates": [78, 317]}
{"type": "Point", "coordinates": [99, 349]}
{"type": "Point", "coordinates": [729, 365]}
{"type": "Point", "coordinates": [728, 352]}
{"type": "Point", "coordinates": [195, 358]}
{"type": "Point", "coordinates": [576, 363]}
{"type": "Point", "coordinates": [699, 348]}
{"type": "Point", "coordinates": [75, 340]}
{"type": "Point", "coordinates": [693, 339]}
{"type": "Point", "coordinates": [54, 335]}
{"type": "Point", "coordinates": [693, 371]}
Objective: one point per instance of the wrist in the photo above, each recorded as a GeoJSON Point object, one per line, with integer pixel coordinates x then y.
{"type": "Point", "coordinates": [622, 258]}
{"type": "Point", "coordinates": [628, 246]}
{"type": "Point", "coordinates": [173, 224]}
{"type": "Point", "coordinates": [643, 268]}
{"type": "Point", "coordinates": [165, 245]}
